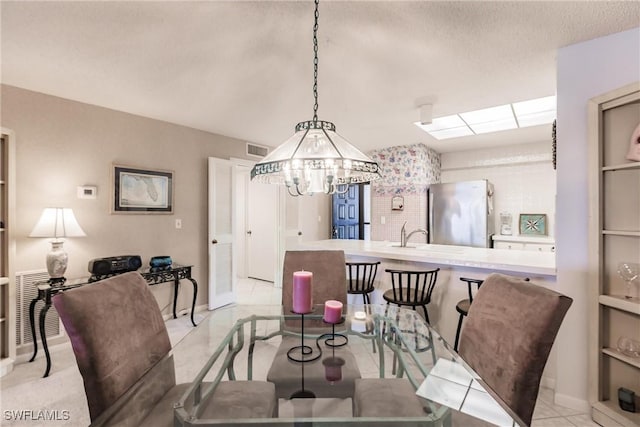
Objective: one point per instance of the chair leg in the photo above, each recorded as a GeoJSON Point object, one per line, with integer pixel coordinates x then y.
{"type": "Point", "coordinates": [367, 301]}
{"type": "Point", "coordinates": [426, 314]}
{"type": "Point", "coordinates": [455, 345]}
{"type": "Point", "coordinates": [395, 362]}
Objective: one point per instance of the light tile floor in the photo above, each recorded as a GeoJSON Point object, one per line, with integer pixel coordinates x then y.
{"type": "Point", "coordinates": [24, 389]}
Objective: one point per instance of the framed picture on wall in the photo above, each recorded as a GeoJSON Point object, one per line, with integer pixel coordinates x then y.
{"type": "Point", "coordinates": [533, 224]}
{"type": "Point", "coordinates": [137, 190]}
{"type": "Point", "coordinates": [397, 203]}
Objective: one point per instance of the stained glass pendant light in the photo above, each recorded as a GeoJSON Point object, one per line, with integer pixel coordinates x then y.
{"type": "Point", "coordinates": [316, 159]}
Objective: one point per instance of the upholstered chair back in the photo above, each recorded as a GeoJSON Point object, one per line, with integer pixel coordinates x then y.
{"type": "Point", "coordinates": [508, 335]}
{"type": "Point", "coordinates": [117, 334]}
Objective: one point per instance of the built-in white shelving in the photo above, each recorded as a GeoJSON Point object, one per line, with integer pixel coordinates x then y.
{"type": "Point", "coordinates": [621, 303]}
{"type": "Point", "coordinates": [614, 236]}
{"type": "Point", "coordinates": [7, 250]}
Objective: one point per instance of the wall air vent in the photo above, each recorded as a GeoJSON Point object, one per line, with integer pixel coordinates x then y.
{"type": "Point", "coordinates": [257, 150]}
{"type": "Point", "coordinates": [26, 291]}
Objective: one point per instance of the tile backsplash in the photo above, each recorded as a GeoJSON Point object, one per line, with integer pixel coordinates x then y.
{"type": "Point", "coordinates": [406, 171]}
{"type": "Point", "coordinates": [522, 175]}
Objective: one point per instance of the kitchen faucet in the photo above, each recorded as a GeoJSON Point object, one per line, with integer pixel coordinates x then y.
{"type": "Point", "coordinates": [404, 237]}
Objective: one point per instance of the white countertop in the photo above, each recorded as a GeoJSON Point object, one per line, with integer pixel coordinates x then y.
{"type": "Point", "coordinates": [543, 263]}
{"type": "Point", "coordinates": [523, 239]}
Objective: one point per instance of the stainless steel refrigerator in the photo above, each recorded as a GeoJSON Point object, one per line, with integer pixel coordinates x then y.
{"type": "Point", "coordinates": [461, 213]}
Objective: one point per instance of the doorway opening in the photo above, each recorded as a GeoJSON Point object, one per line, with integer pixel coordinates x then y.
{"type": "Point", "coordinates": [351, 213]}
{"type": "Point", "coordinates": [256, 229]}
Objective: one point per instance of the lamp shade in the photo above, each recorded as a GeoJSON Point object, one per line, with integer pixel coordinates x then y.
{"type": "Point", "coordinates": [57, 223]}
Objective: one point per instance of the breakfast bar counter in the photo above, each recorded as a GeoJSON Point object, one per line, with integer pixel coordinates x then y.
{"type": "Point", "coordinates": [454, 262]}
{"type": "Point", "coordinates": [493, 260]}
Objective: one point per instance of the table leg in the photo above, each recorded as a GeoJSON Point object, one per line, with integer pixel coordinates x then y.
{"type": "Point", "coordinates": [43, 336]}
{"type": "Point", "coordinates": [193, 303]}
{"type": "Point", "coordinates": [251, 347]}
{"type": "Point", "coordinates": [32, 323]}
{"type": "Point", "coordinates": [176, 283]}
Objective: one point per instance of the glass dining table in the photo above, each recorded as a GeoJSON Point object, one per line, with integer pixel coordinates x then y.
{"type": "Point", "coordinates": [240, 342]}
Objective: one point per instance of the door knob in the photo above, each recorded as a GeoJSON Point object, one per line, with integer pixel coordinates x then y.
{"type": "Point", "coordinates": [214, 241]}
{"type": "Point", "coordinates": [299, 233]}
{"type": "Point", "coordinates": [249, 232]}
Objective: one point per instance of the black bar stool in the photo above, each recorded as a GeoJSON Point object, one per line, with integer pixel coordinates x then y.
{"type": "Point", "coordinates": [360, 278]}
{"type": "Point", "coordinates": [411, 288]}
{"type": "Point", "coordinates": [463, 305]}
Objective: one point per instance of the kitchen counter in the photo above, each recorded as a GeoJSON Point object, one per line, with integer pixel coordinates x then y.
{"type": "Point", "coordinates": [454, 262]}
{"type": "Point", "coordinates": [523, 239]}
{"type": "Point", "coordinates": [495, 260]}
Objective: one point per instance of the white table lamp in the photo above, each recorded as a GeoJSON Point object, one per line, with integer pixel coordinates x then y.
{"type": "Point", "coordinates": [57, 223]}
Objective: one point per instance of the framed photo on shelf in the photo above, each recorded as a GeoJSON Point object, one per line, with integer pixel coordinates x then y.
{"type": "Point", "coordinates": [137, 190]}
{"type": "Point", "coordinates": [533, 224]}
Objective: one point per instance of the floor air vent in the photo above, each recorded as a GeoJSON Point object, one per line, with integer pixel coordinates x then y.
{"type": "Point", "coordinates": [26, 291]}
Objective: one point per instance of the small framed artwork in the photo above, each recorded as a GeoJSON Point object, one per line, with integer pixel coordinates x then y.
{"type": "Point", "coordinates": [397, 203]}
{"type": "Point", "coordinates": [137, 190]}
{"type": "Point", "coordinates": [533, 224]}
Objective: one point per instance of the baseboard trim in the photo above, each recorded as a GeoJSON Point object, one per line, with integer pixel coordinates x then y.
{"type": "Point", "coordinates": [571, 402]}
{"type": "Point", "coordinates": [6, 366]}
{"type": "Point", "coordinates": [548, 382]}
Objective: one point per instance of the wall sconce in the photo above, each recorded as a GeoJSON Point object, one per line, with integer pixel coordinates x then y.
{"type": "Point", "coordinates": [57, 223]}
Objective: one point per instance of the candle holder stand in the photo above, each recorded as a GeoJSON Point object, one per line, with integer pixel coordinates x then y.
{"type": "Point", "coordinates": [303, 349]}
{"type": "Point", "coordinates": [333, 339]}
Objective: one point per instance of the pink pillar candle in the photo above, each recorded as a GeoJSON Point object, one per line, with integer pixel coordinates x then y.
{"type": "Point", "coordinates": [332, 311]}
{"type": "Point", "coordinates": [302, 291]}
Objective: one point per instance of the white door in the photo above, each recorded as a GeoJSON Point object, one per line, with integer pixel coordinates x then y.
{"type": "Point", "coordinates": [292, 230]}
{"type": "Point", "coordinates": [222, 277]}
{"type": "Point", "coordinates": [262, 231]}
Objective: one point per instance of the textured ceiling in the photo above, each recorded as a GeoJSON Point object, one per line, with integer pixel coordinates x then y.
{"type": "Point", "coordinates": [244, 69]}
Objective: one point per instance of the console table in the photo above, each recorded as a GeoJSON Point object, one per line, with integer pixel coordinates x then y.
{"type": "Point", "coordinates": [48, 289]}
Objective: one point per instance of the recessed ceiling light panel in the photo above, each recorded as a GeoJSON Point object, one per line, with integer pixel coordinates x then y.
{"type": "Point", "coordinates": [534, 112]}
{"type": "Point", "coordinates": [446, 122]}
{"type": "Point", "coordinates": [494, 126]}
{"type": "Point", "coordinates": [536, 119]}
{"type": "Point", "coordinates": [538, 105]}
{"type": "Point", "coordinates": [451, 133]}
{"type": "Point", "coordinates": [486, 115]}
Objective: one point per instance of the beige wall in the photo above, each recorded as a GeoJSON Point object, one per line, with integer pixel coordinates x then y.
{"type": "Point", "coordinates": [61, 144]}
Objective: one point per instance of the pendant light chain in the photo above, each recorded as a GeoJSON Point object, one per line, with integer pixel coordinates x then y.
{"type": "Point", "coordinates": [316, 159]}
{"type": "Point", "coordinates": [315, 63]}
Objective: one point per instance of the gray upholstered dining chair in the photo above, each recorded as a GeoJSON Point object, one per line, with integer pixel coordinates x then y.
{"type": "Point", "coordinates": [118, 335]}
{"type": "Point", "coordinates": [329, 283]}
{"type": "Point", "coordinates": [508, 335]}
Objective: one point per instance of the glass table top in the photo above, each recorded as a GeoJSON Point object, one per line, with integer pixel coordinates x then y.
{"type": "Point", "coordinates": [241, 341]}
